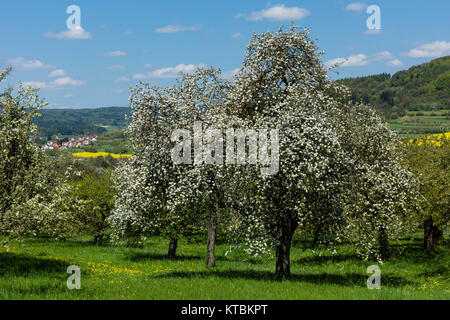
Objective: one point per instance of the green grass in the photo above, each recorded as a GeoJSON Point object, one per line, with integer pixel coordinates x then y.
{"type": "Point", "coordinates": [419, 123]}
{"type": "Point", "coordinates": [428, 112]}
{"type": "Point", "coordinates": [36, 269]}
{"type": "Point", "coordinates": [418, 129]}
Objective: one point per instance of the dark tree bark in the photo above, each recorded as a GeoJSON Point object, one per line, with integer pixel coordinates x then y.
{"type": "Point", "coordinates": [316, 234]}
{"type": "Point", "coordinates": [216, 204]}
{"type": "Point", "coordinates": [432, 234]}
{"type": "Point", "coordinates": [98, 239]}
{"type": "Point", "coordinates": [172, 248]}
{"type": "Point", "coordinates": [383, 243]}
{"type": "Point", "coordinates": [283, 250]}
{"type": "Point", "coordinates": [210, 247]}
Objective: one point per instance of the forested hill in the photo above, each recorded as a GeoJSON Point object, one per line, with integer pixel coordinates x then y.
{"type": "Point", "coordinates": [421, 88]}
{"type": "Point", "coordinates": [81, 121]}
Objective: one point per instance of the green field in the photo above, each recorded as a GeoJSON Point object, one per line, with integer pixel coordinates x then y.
{"type": "Point", "coordinates": [420, 123]}
{"type": "Point", "coordinates": [36, 269]}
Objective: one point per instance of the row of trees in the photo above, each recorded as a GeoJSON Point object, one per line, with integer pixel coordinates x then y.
{"type": "Point", "coordinates": [341, 174]}
{"type": "Point", "coordinates": [423, 87]}
{"type": "Point", "coordinates": [431, 164]}
{"type": "Point", "coordinates": [40, 196]}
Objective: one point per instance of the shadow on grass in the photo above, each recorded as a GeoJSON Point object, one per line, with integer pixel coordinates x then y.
{"type": "Point", "coordinates": [318, 260]}
{"type": "Point", "coordinates": [22, 265]}
{"type": "Point", "coordinates": [414, 253]}
{"type": "Point", "coordinates": [439, 271]}
{"type": "Point", "coordinates": [241, 259]}
{"type": "Point", "coordinates": [136, 257]}
{"type": "Point", "coordinates": [349, 279]}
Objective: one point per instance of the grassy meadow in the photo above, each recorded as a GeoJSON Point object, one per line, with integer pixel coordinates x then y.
{"type": "Point", "coordinates": [419, 123]}
{"type": "Point", "coordinates": [36, 269]}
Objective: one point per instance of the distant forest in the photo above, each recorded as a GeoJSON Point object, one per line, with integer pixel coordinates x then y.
{"type": "Point", "coordinates": [421, 88]}
{"type": "Point", "coordinates": [75, 122]}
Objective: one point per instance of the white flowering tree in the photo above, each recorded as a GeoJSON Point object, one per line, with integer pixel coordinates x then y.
{"type": "Point", "coordinates": [20, 161]}
{"type": "Point", "coordinates": [202, 177]}
{"type": "Point", "coordinates": [34, 199]}
{"type": "Point", "coordinates": [155, 194]}
{"type": "Point", "coordinates": [142, 183]}
{"type": "Point", "coordinates": [380, 191]}
{"type": "Point", "coordinates": [54, 210]}
{"type": "Point", "coordinates": [338, 169]}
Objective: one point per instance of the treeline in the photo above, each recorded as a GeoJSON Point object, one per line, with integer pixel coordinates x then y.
{"type": "Point", "coordinates": [80, 121]}
{"type": "Point", "coordinates": [421, 88]}
{"type": "Point", "coordinates": [335, 172]}
{"type": "Point", "coordinates": [425, 87]}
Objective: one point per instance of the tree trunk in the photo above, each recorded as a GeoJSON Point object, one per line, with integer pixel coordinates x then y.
{"type": "Point", "coordinates": [210, 247]}
{"type": "Point", "coordinates": [432, 234]}
{"type": "Point", "coordinates": [172, 248]}
{"type": "Point", "coordinates": [316, 234]}
{"type": "Point", "coordinates": [100, 241]}
{"type": "Point", "coordinates": [283, 250]}
{"type": "Point", "coordinates": [383, 243]}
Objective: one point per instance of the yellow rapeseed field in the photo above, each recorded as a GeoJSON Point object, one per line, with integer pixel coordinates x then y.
{"type": "Point", "coordinates": [435, 139]}
{"type": "Point", "coordinates": [101, 154]}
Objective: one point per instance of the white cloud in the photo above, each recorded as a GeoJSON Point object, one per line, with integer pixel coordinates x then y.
{"type": "Point", "coordinates": [35, 84]}
{"type": "Point", "coordinates": [148, 66]}
{"type": "Point", "coordinates": [69, 95]}
{"type": "Point", "coordinates": [21, 63]}
{"type": "Point", "coordinates": [383, 55]}
{"type": "Point", "coordinates": [395, 63]}
{"type": "Point", "coordinates": [278, 12]}
{"type": "Point", "coordinates": [117, 53]}
{"type": "Point", "coordinates": [360, 60]}
{"type": "Point", "coordinates": [171, 72]}
{"type": "Point", "coordinates": [140, 76]}
{"type": "Point", "coordinates": [356, 6]}
{"type": "Point", "coordinates": [357, 60]}
{"type": "Point", "coordinates": [66, 81]}
{"type": "Point", "coordinates": [57, 73]}
{"type": "Point", "coordinates": [60, 82]}
{"type": "Point", "coordinates": [122, 79]}
{"type": "Point", "coordinates": [172, 28]}
{"type": "Point", "coordinates": [75, 34]}
{"type": "Point", "coordinates": [430, 50]}
{"type": "Point", "coordinates": [119, 91]}
{"type": "Point", "coordinates": [237, 35]}
{"type": "Point", "coordinates": [116, 67]}
{"type": "Point", "coordinates": [128, 32]}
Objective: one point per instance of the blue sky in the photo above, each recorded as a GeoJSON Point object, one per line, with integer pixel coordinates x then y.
{"type": "Point", "coordinates": [122, 42]}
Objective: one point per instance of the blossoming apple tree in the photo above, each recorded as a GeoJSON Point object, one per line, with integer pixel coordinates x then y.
{"type": "Point", "coordinates": [339, 169]}
{"type": "Point", "coordinates": [31, 196]}
{"type": "Point", "coordinates": [154, 192]}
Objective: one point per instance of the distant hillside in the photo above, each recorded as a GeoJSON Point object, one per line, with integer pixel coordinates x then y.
{"type": "Point", "coordinates": [81, 121]}
{"type": "Point", "coordinates": [421, 88]}
{"type": "Point", "coordinates": [416, 101]}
